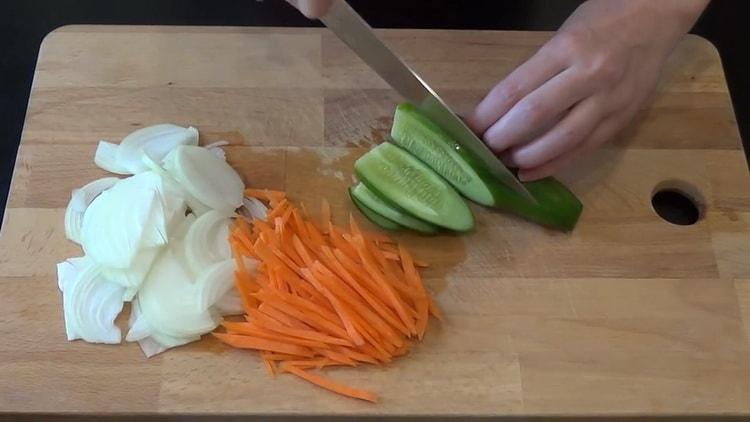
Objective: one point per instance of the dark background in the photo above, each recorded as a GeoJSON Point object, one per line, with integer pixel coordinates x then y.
{"type": "Point", "coordinates": [24, 23]}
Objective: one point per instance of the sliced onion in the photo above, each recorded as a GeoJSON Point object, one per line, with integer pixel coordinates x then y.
{"type": "Point", "coordinates": [80, 199]}
{"type": "Point", "coordinates": [106, 158]}
{"type": "Point", "coordinates": [209, 179]}
{"type": "Point", "coordinates": [230, 303]}
{"type": "Point", "coordinates": [217, 150]}
{"type": "Point", "coordinates": [133, 276]}
{"type": "Point", "coordinates": [182, 227]}
{"type": "Point", "coordinates": [157, 141]}
{"type": "Point", "coordinates": [195, 205]}
{"type": "Point", "coordinates": [255, 208]}
{"type": "Point", "coordinates": [207, 241]}
{"type": "Point", "coordinates": [169, 302]}
{"type": "Point", "coordinates": [214, 282]}
{"type": "Point", "coordinates": [114, 224]}
{"type": "Point", "coordinates": [152, 342]}
{"type": "Point", "coordinates": [216, 144]}
{"type": "Point", "coordinates": [91, 303]}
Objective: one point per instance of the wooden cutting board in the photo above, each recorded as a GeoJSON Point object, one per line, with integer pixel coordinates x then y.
{"type": "Point", "coordinates": [626, 315]}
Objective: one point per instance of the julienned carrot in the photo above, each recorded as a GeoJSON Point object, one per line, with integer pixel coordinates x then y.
{"type": "Point", "coordinates": [323, 296]}
{"type": "Point", "coordinates": [330, 385]}
{"type": "Point", "coordinates": [250, 342]}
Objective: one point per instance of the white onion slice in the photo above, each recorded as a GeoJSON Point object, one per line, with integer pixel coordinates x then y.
{"type": "Point", "coordinates": [217, 150]}
{"type": "Point", "coordinates": [79, 201]}
{"type": "Point", "coordinates": [106, 158]}
{"type": "Point", "coordinates": [157, 141]}
{"type": "Point", "coordinates": [152, 342]}
{"type": "Point", "coordinates": [255, 208]}
{"type": "Point", "coordinates": [195, 205]}
{"type": "Point", "coordinates": [133, 276]}
{"type": "Point", "coordinates": [214, 282]}
{"type": "Point", "coordinates": [207, 241]}
{"type": "Point", "coordinates": [206, 177]}
{"type": "Point", "coordinates": [168, 300]}
{"type": "Point", "coordinates": [90, 303]}
{"type": "Point", "coordinates": [216, 144]}
{"type": "Point", "coordinates": [114, 224]}
{"type": "Point", "coordinates": [182, 227]}
{"type": "Point", "coordinates": [230, 303]}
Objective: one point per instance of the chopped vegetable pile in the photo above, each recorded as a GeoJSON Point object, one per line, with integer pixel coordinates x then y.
{"type": "Point", "coordinates": [157, 238]}
{"type": "Point", "coordinates": [323, 296]}
{"type": "Point", "coordinates": [414, 181]}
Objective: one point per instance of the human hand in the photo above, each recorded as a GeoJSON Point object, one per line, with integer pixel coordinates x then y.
{"type": "Point", "coordinates": [313, 9]}
{"type": "Point", "coordinates": [584, 85]}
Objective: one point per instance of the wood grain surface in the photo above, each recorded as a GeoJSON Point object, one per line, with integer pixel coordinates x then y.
{"type": "Point", "coordinates": [626, 315]}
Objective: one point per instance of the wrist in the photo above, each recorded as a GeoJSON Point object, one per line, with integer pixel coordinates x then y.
{"type": "Point", "coordinates": [676, 17]}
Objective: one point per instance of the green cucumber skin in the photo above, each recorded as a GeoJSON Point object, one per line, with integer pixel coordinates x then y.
{"type": "Point", "coordinates": [406, 220]}
{"type": "Point", "coordinates": [557, 207]}
{"type": "Point", "coordinates": [374, 217]}
{"type": "Point", "coordinates": [466, 225]}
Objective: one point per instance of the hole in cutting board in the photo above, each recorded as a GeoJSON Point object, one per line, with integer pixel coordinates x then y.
{"type": "Point", "coordinates": [678, 202]}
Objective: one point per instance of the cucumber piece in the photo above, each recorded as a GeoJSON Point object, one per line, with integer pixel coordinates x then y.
{"type": "Point", "coordinates": [374, 203]}
{"type": "Point", "coordinates": [399, 178]}
{"type": "Point", "coordinates": [374, 217]}
{"type": "Point", "coordinates": [557, 207]}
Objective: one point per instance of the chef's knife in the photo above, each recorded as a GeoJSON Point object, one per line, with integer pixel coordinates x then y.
{"type": "Point", "coordinates": [348, 26]}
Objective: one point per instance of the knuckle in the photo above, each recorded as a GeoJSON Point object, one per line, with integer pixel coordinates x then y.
{"type": "Point", "coordinates": [534, 110]}
{"type": "Point", "coordinates": [604, 70]}
{"type": "Point", "coordinates": [569, 136]}
{"type": "Point", "coordinates": [569, 42]}
{"type": "Point", "coordinates": [508, 92]}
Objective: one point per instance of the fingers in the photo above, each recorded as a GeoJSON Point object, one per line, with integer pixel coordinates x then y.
{"type": "Point", "coordinates": [313, 9]}
{"type": "Point", "coordinates": [605, 131]}
{"type": "Point", "coordinates": [540, 68]}
{"type": "Point", "coordinates": [576, 126]}
{"type": "Point", "coordinates": [537, 111]}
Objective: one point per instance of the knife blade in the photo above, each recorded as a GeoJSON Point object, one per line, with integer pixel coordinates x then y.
{"type": "Point", "coordinates": [350, 28]}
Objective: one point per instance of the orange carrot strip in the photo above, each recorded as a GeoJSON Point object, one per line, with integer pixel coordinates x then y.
{"type": "Point", "coordinates": [249, 342]}
{"type": "Point", "coordinates": [312, 363]}
{"type": "Point", "coordinates": [312, 309]}
{"type": "Point", "coordinates": [278, 210]}
{"type": "Point", "coordinates": [248, 301]}
{"type": "Point", "coordinates": [310, 318]}
{"type": "Point", "coordinates": [281, 317]}
{"type": "Point", "coordinates": [270, 366]}
{"type": "Point", "coordinates": [316, 238]}
{"type": "Point", "coordinates": [338, 357]}
{"type": "Point", "coordinates": [337, 240]}
{"type": "Point", "coordinates": [379, 316]}
{"type": "Point", "coordinates": [391, 255]}
{"type": "Point", "coordinates": [330, 385]}
{"type": "Point", "coordinates": [302, 251]}
{"type": "Point", "coordinates": [434, 310]}
{"type": "Point", "coordinates": [325, 215]}
{"type": "Point", "coordinates": [340, 309]}
{"type": "Point", "coordinates": [265, 194]}
{"type": "Point", "coordinates": [279, 356]}
{"type": "Point", "coordinates": [398, 305]}
{"type": "Point", "coordinates": [273, 325]}
{"type": "Point", "coordinates": [355, 355]}
{"type": "Point", "coordinates": [412, 277]}
{"type": "Point", "coordinates": [257, 330]}
{"type": "Point", "coordinates": [374, 296]}
{"type": "Point", "coordinates": [299, 224]}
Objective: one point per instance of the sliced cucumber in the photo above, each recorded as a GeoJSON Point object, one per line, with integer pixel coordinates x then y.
{"type": "Point", "coordinates": [376, 204]}
{"type": "Point", "coordinates": [556, 207]}
{"type": "Point", "coordinates": [400, 178]}
{"type": "Point", "coordinates": [374, 217]}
